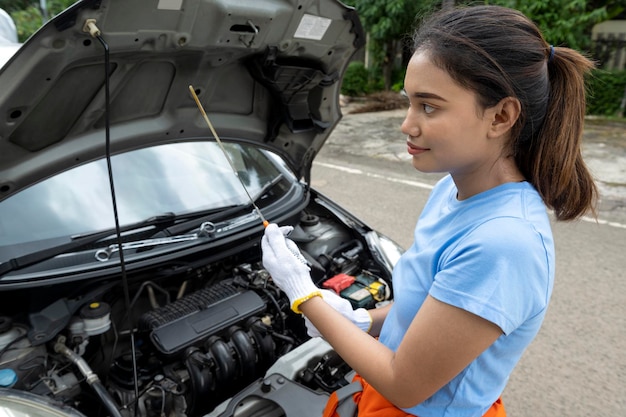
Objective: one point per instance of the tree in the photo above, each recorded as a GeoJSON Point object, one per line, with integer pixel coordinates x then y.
{"type": "Point", "coordinates": [28, 16]}
{"type": "Point", "coordinates": [389, 24]}
{"type": "Point", "coordinates": [10, 6]}
{"type": "Point", "coordinates": [566, 22]}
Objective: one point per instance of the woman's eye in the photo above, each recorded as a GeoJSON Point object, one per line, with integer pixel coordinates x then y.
{"type": "Point", "coordinates": [428, 109]}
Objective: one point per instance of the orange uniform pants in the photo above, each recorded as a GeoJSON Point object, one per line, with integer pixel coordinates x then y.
{"type": "Point", "coordinates": [371, 404]}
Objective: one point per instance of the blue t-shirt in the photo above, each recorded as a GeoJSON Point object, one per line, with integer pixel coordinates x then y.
{"type": "Point", "coordinates": [492, 255]}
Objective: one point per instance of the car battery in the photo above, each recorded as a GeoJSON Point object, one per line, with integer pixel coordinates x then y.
{"type": "Point", "coordinates": [363, 290]}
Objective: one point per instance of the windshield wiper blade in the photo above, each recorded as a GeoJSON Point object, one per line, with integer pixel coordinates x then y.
{"type": "Point", "coordinates": [76, 243]}
{"type": "Point", "coordinates": [168, 217]}
{"type": "Point", "coordinates": [267, 187]}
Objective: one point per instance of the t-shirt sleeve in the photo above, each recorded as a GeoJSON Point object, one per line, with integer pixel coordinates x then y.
{"type": "Point", "coordinates": [499, 271]}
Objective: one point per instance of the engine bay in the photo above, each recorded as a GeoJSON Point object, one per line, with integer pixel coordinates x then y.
{"type": "Point", "coordinates": [185, 336]}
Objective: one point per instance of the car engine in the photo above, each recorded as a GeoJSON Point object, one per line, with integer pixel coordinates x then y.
{"type": "Point", "coordinates": [184, 335]}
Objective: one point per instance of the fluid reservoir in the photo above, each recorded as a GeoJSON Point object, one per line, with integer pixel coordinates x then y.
{"type": "Point", "coordinates": [317, 237]}
{"type": "Point", "coordinates": [8, 378]}
{"type": "Point", "coordinates": [96, 318]}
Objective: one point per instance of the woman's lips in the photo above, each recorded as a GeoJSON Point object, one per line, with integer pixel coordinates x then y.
{"type": "Point", "coordinates": [415, 150]}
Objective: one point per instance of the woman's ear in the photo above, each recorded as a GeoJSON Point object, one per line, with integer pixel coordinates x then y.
{"type": "Point", "coordinates": [504, 116]}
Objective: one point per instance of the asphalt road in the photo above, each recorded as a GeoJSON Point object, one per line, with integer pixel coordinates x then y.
{"type": "Point", "coordinates": [577, 364]}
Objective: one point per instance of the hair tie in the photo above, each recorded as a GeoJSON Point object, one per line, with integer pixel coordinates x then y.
{"type": "Point", "coordinates": [551, 54]}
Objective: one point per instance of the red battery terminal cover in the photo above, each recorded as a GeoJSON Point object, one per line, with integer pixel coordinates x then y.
{"type": "Point", "coordinates": [339, 282]}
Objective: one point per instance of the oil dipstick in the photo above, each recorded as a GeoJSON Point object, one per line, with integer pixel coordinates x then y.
{"type": "Point", "coordinates": [219, 141]}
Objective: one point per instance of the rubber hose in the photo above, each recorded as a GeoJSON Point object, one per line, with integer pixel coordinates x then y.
{"type": "Point", "coordinates": [90, 376]}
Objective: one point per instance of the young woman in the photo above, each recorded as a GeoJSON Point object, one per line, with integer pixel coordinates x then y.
{"type": "Point", "coordinates": [501, 110]}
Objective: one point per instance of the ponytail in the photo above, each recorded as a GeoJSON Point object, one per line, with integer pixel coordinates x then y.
{"type": "Point", "coordinates": [553, 162]}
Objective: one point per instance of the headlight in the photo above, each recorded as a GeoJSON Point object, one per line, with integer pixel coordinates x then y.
{"type": "Point", "coordinates": [386, 250]}
{"type": "Point", "coordinates": [22, 404]}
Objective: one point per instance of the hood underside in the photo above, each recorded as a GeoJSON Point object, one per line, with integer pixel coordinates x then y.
{"type": "Point", "coordinates": [266, 72]}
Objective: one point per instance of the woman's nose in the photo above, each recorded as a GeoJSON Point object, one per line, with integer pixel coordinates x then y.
{"type": "Point", "coordinates": [409, 125]}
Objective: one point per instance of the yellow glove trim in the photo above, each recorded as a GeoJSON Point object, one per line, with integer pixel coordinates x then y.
{"type": "Point", "coordinates": [371, 322]}
{"type": "Point", "coordinates": [296, 304]}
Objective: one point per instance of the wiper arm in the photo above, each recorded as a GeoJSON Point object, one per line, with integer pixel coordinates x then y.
{"type": "Point", "coordinates": [225, 213]}
{"type": "Point", "coordinates": [76, 243]}
{"type": "Point", "coordinates": [206, 229]}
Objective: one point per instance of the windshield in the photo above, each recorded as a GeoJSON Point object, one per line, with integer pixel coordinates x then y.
{"type": "Point", "coordinates": [175, 178]}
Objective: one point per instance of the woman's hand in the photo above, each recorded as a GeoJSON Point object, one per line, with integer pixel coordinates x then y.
{"type": "Point", "coordinates": [286, 265]}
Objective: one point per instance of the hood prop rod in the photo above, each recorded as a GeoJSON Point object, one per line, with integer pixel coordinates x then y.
{"type": "Point", "coordinates": [92, 29]}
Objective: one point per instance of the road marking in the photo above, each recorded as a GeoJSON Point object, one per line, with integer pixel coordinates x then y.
{"type": "Point", "coordinates": [430, 187]}
{"type": "Point", "coordinates": [604, 222]}
{"type": "Point", "coordinates": [382, 177]}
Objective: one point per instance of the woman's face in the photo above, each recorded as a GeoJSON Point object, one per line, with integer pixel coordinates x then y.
{"type": "Point", "coordinates": [447, 130]}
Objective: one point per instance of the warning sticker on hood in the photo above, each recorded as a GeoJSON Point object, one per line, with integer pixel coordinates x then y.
{"type": "Point", "coordinates": [312, 27]}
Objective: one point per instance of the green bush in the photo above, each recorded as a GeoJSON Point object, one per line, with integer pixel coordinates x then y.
{"type": "Point", "coordinates": [27, 22]}
{"type": "Point", "coordinates": [355, 80]}
{"type": "Point", "coordinates": [27, 14]}
{"type": "Point", "coordinates": [376, 81]}
{"type": "Point", "coordinates": [361, 81]}
{"type": "Point", "coordinates": [606, 90]}
{"type": "Point", "coordinates": [398, 79]}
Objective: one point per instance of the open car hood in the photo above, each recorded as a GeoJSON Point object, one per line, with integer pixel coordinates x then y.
{"type": "Point", "coordinates": [266, 72]}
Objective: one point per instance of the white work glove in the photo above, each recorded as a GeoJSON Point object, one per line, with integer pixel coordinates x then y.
{"type": "Point", "coordinates": [286, 265]}
{"type": "Point", "coordinates": [361, 317]}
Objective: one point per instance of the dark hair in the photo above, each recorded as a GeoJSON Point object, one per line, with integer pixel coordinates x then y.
{"type": "Point", "coordinates": [498, 52]}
